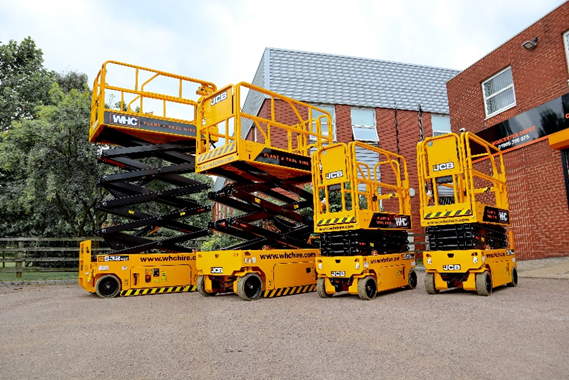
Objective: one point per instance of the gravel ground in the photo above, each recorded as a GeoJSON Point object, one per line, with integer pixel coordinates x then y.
{"type": "Point", "coordinates": [62, 332]}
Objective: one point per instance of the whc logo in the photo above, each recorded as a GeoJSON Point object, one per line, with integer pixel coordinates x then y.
{"type": "Point", "coordinates": [401, 222]}
{"type": "Point", "coordinates": [130, 121]}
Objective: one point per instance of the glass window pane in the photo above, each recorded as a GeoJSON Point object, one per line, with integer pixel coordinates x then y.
{"type": "Point", "coordinates": [498, 83]}
{"type": "Point", "coordinates": [502, 100]}
{"type": "Point", "coordinates": [363, 117]}
{"type": "Point", "coordinates": [365, 134]}
{"type": "Point", "coordinates": [441, 124]}
{"type": "Point", "coordinates": [323, 121]}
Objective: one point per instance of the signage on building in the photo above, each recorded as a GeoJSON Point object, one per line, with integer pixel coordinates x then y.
{"type": "Point", "coordinates": [538, 122]}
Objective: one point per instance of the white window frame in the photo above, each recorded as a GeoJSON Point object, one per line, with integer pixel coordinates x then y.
{"type": "Point", "coordinates": [374, 127]}
{"type": "Point", "coordinates": [497, 93]}
{"type": "Point", "coordinates": [566, 44]}
{"type": "Point", "coordinates": [332, 115]}
{"type": "Point", "coordinates": [438, 130]}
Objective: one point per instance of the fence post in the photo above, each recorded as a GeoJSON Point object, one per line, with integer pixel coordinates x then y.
{"type": "Point", "coordinates": [19, 259]}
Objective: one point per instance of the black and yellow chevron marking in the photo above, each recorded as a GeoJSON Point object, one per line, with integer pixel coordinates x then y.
{"type": "Point", "coordinates": [337, 220]}
{"type": "Point", "coordinates": [216, 153]}
{"type": "Point", "coordinates": [432, 215]}
{"type": "Point", "coordinates": [288, 291]}
{"type": "Point", "coordinates": [171, 289]}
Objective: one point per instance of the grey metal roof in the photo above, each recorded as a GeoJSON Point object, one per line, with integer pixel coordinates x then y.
{"type": "Point", "coordinates": [361, 82]}
{"type": "Point", "coordinates": [337, 79]}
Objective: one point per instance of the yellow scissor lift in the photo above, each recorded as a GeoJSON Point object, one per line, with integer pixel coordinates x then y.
{"type": "Point", "coordinates": [363, 217]}
{"type": "Point", "coordinates": [149, 117]}
{"type": "Point", "coordinates": [469, 245]}
{"type": "Point", "coordinates": [265, 159]}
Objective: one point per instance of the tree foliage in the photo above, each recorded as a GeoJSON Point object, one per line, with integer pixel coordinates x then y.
{"type": "Point", "coordinates": [24, 82]}
{"type": "Point", "coordinates": [50, 170]}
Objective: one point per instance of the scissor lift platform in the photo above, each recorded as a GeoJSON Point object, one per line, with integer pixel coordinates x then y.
{"type": "Point", "coordinates": [144, 120]}
{"type": "Point", "coordinates": [470, 247]}
{"type": "Point", "coordinates": [265, 160]}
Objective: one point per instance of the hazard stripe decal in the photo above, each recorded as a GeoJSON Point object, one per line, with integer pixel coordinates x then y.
{"type": "Point", "coordinates": [215, 153]}
{"type": "Point", "coordinates": [288, 291]}
{"type": "Point", "coordinates": [172, 289]}
{"type": "Point", "coordinates": [337, 221]}
{"type": "Point", "coordinates": [448, 213]}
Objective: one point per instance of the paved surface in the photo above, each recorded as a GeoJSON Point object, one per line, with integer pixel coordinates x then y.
{"type": "Point", "coordinates": [62, 332]}
{"type": "Point", "coordinates": [557, 267]}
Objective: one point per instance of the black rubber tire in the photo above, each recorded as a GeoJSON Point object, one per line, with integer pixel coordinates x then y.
{"type": "Point", "coordinates": [108, 286]}
{"type": "Point", "coordinates": [430, 283]}
{"type": "Point", "coordinates": [321, 288]}
{"type": "Point", "coordinates": [367, 288]}
{"type": "Point", "coordinates": [412, 279]}
{"type": "Point", "coordinates": [483, 284]}
{"type": "Point", "coordinates": [514, 282]}
{"type": "Point", "coordinates": [200, 286]}
{"type": "Point", "coordinates": [250, 287]}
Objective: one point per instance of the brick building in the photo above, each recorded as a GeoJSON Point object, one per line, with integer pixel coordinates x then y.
{"type": "Point", "coordinates": [367, 99]}
{"type": "Point", "coordinates": [517, 97]}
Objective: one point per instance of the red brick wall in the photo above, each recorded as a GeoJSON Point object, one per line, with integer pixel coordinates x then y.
{"type": "Point", "coordinates": [343, 123]}
{"type": "Point", "coordinates": [538, 201]}
{"type": "Point", "coordinates": [540, 75]}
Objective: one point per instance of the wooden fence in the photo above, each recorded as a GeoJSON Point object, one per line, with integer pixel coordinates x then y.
{"type": "Point", "coordinates": [26, 253]}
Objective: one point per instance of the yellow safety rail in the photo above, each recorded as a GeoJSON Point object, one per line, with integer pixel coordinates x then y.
{"type": "Point", "coordinates": [368, 196]}
{"type": "Point", "coordinates": [143, 109]}
{"type": "Point", "coordinates": [473, 168]}
{"type": "Point", "coordinates": [283, 125]}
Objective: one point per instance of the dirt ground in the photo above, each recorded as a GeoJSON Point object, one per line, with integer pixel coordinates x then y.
{"type": "Point", "coordinates": [62, 332]}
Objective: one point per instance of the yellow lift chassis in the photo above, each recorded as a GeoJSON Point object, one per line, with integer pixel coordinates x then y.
{"type": "Point", "coordinates": [258, 273]}
{"type": "Point", "coordinates": [109, 276]}
{"type": "Point", "coordinates": [465, 209]}
{"type": "Point", "coordinates": [363, 218]}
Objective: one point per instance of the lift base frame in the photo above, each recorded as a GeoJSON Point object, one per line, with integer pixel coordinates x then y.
{"type": "Point", "coordinates": [282, 272]}
{"type": "Point", "coordinates": [138, 274]}
{"type": "Point", "coordinates": [458, 269]}
{"type": "Point", "coordinates": [390, 271]}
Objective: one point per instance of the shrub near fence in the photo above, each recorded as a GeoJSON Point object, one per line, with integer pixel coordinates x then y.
{"type": "Point", "coordinates": [32, 255]}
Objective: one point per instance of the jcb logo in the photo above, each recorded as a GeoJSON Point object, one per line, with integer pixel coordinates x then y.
{"type": "Point", "coordinates": [219, 98]}
{"type": "Point", "coordinates": [336, 174]}
{"type": "Point", "coordinates": [445, 166]}
{"type": "Point", "coordinates": [338, 274]}
{"type": "Point", "coordinates": [401, 222]}
{"type": "Point", "coordinates": [451, 267]}
{"type": "Point", "coordinates": [217, 270]}
{"type": "Point", "coordinates": [130, 121]}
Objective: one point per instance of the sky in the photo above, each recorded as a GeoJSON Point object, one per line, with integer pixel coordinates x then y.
{"type": "Point", "coordinates": [222, 41]}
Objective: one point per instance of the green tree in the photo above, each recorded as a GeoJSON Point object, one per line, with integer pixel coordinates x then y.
{"type": "Point", "coordinates": [71, 80]}
{"type": "Point", "coordinates": [50, 170]}
{"type": "Point", "coordinates": [24, 82]}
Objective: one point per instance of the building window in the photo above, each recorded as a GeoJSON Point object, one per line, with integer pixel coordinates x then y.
{"type": "Point", "coordinates": [441, 124]}
{"type": "Point", "coordinates": [499, 92]}
{"type": "Point", "coordinates": [566, 43]}
{"type": "Point", "coordinates": [363, 125]}
{"type": "Point", "coordinates": [326, 129]}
